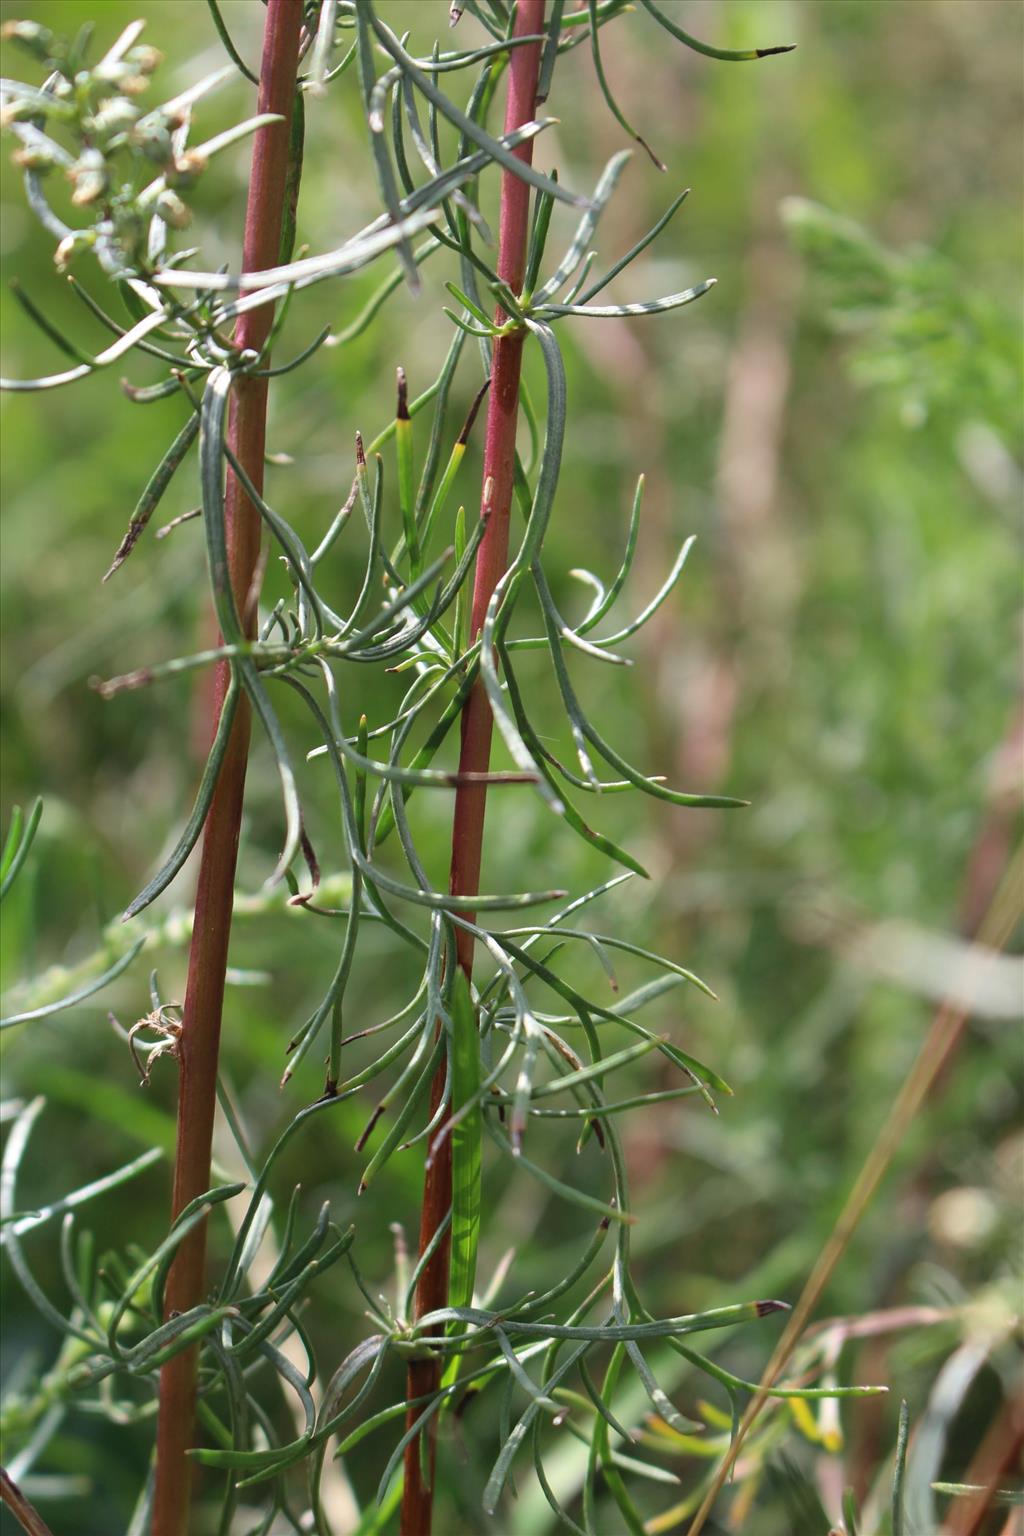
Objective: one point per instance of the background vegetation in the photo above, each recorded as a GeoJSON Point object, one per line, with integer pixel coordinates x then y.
{"type": "Point", "coordinates": [839, 422]}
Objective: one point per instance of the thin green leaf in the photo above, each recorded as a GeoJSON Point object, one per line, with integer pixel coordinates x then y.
{"type": "Point", "coordinates": [610, 101]}
{"type": "Point", "coordinates": [732, 55]}
{"type": "Point", "coordinates": [585, 229]}
{"type": "Point", "coordinates": [466, 1145]}
{"type": "Point", "coordinates": [635, 250]}
{"type": "Point", "coordinates": [80, 994]}
{"type": "Point", "coordinates": [549, 56]}
{"type": "Point", "coordinates": [494, 148]}
{"type": "Point", "coordinates": [900, 1471]}
{"type": "Point", "coordinates": [648, 307]}
{"type": "Point", "coordinates": [229, 47]}
{"type": "Point", "coordinates": [204, 795]}
{"type": "Point", "coordinates": [18, 843]}
{"type": "Point", "coordinates": [151, 496]}
{"type": "Point", "coordinates": [28, 1220]}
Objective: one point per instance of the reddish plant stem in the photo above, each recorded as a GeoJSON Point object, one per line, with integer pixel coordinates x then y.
{"type": "Point", "coordinates": [424, 1376]}
{"type": "Point", "coordinates": [204, 992]}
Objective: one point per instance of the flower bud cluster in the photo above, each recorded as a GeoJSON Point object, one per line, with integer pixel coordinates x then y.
{"type": "Point", "coordinates": [87, 123]}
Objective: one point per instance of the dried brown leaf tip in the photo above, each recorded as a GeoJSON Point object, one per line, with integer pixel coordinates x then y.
{"type": "Point", "coordinates": [478, 400]}
{"type": "Point", "coordinates": [132, 535]}
{"type": "Point", "coordinates": [766, 1307]}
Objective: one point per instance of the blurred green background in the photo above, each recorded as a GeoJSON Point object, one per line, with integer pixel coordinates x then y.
{"type": "Point", "coordinates": [839, 422]}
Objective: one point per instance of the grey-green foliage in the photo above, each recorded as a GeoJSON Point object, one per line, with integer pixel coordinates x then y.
{"type": "Point", "coordinates": [919, 327]}
{"type": "Point", "coordinates": [508, 1053]}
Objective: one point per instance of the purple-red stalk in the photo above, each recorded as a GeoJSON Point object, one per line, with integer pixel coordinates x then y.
{"type": "Point", "coordinates": [424, 1376]}
{"type": "Point", "coordinates": [204, 993]}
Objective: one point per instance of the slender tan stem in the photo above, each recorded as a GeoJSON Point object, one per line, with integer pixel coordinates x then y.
{"type": "Point", "coordinates": [204, 993]}
{"type": "Point", "coordinates": [941, 1040]}
{"type": "Point", "coordinates": [26, 1514]}
{"type": "Point", "coordinates": [477, 724]}
{"type": "Point", "coordinates": [995, 1462]}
